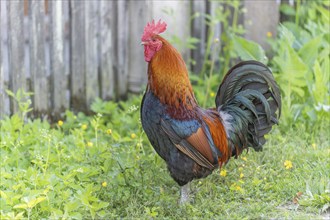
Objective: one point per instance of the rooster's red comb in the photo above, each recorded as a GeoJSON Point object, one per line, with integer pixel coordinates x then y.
{"type": "Point", "coordinates": [152, 29]}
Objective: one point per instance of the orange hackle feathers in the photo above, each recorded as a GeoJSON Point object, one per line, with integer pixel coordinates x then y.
{"type": "Point", "coordinates": [168, 77]}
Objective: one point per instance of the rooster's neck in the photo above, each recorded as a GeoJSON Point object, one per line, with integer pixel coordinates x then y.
{"type": "Point", "coordinates": [168, 78]}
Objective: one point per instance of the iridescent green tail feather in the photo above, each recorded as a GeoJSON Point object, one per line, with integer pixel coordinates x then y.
{"type": "Point", "coordinates": [249, 103]}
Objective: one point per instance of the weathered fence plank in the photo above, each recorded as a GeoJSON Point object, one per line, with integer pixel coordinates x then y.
{"type": "Point", "coordinates": [41, 97]}
{"type": "Point", "coordinates": [177, 16]}
{"type": "Point", "coordinates": [59, 77]}
{"type": "Point", "coordinates": [257, 25]}
{"type": "Point", "coordinates": [215, 48]}
{"type": "Point", "coordinates": [16, 49]}
{"type": "Point", "coordinates": [122, 50]}
{"type": "Point", "coordinates": [4, 60]}
{"type": "Point", "coordinates": [107, 81]}
{"type": "Point", "coordinates": [27, 49]}
{"type": "Point", "coordinates": [92, 59]}
{"type": "Point", "coordinates": [66, 50]}
{"type": "Point", "coordinates": [137, 71]}
{"type": "Point", "coordinates": [46, 37]}
{"type": "Point", "coordinates": [198, 30]}
{"type": "Point", "coordinates": [78, 44]}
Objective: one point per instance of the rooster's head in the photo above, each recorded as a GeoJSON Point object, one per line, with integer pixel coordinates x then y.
{"type": "Point", "coordinates": [150, 38]}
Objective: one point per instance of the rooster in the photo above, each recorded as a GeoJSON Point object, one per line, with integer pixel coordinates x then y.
{"type": "Point", "coordinates": [194, 141]}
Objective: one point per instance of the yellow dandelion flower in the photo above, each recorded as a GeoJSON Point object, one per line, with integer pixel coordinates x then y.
{"type": "Point", "coordinates": [269, 34]}
{"type": "Point", "coordinates": [238, 188]}
{"type": "Point", "coordinates": [60, 123]}
{"type": "Point", "coordinates": [288, 164]}
{"type": "Point", "coordinates": [241, 175]}
{"type": "Point", "coordinates": [104, 184]}
{"type": "Point", "coordinates": [314, 146]}
{"type": "Point", "coordinates": [244, 158]}
{"type": "Point", "coordinates": [223, 173]}
{"type": "Point", "coordinates": [133, 136]}
{"type": "Point", "coordinates": [109, 131]}
{"type": "Point", "coordinates": [90, 144]}
{"type": "Point", "coordinates": [212, 94]}
{"type": "Point", "coordinates": [84, 126]}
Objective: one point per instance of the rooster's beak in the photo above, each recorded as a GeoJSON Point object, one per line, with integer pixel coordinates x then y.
{"type": "Point", "coordinates": [143, 43]}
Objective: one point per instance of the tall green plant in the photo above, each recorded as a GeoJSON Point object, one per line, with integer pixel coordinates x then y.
{"type": "Point", "coordinates": [301, 63]}
{"type": "Point", "coordinates": [219, 49]}
{"type": "Point", "coordinates": [226, 15]}
{"type": "Point", "coordinates": [22, 99]}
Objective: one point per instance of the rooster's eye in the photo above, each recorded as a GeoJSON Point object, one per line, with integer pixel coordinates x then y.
{"type": "Point", "coordinates": [153, 39]}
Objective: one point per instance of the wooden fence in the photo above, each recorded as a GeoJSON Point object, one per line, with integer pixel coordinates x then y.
{"type": "Point", "coordinates": [69, 52]}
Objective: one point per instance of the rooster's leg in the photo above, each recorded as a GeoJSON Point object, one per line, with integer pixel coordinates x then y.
{"type": "Point", "coordinates": [184, 191]}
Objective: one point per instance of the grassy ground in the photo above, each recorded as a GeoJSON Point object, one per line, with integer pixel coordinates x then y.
{"type": "Point", "coordinates": [103, 167]}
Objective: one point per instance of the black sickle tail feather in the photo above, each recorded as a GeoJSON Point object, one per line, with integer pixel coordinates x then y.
{"type": "Point", "coordinates": [249, 104]}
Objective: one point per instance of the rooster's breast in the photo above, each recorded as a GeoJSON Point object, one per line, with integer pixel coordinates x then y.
{"type": "Point", "coordinates": [182, 168]}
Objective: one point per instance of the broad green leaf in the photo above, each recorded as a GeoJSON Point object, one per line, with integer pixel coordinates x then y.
{"type": "Point", "coordinates": [325, 14]}
{"type": "Point", "coordinates": [100, 205]}
{"type": "Point", "coordinates": [191, 42]}
{"type": "Point", "coordinates": [76, 215]}
{"type": "Point", "coordinates": [292, 68]}
{"type": "Point", "coordinates": [21, 206]}
{"type": "Point", "coordinates": [325, 69]}
{"type": "Point", "coordinates": [249, 50]}
{"type": "Point", "coordinates": [287, 35]}
{"type": "Point", "coordinates": [35, 201]}
{"type": "Point", "coordinates": [300, 35]}
{"type": "Point", "coordinates": [10, 93]}
{"type": "Point", "coordinates": [84, 199]}
{"type": "Point", "coordinates": [320, 89]}
{"type": "Point", "coordinates": [326, 3]}
{"type": "Point", "coordinates": [309, 51]}
{"type": "Point", "coordinates": [299, 91]}
{"type": "Point", "coordinates": [11, 215]}
{"type": "Point", "coordinates": [102, 213]}
{"type": "Point", "coordinates": [93, 213]}
{"type": "Point", "coordinates": [287, 9]}
{"type": "Point", "coordinates": [72, 205]}
{"type": "Point", "coordinates": [3, 195]}
{"type": "Point", "coordinates": [115, 135]}
{"type": "Point", "coordinates": [19, 215]}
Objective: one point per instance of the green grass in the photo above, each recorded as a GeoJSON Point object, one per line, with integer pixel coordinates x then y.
{"type": "Point", "coordinates": [103, 167]}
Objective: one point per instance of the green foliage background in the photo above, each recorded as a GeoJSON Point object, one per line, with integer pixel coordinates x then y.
{"type": "Point", "coordinates": [103, 167]}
